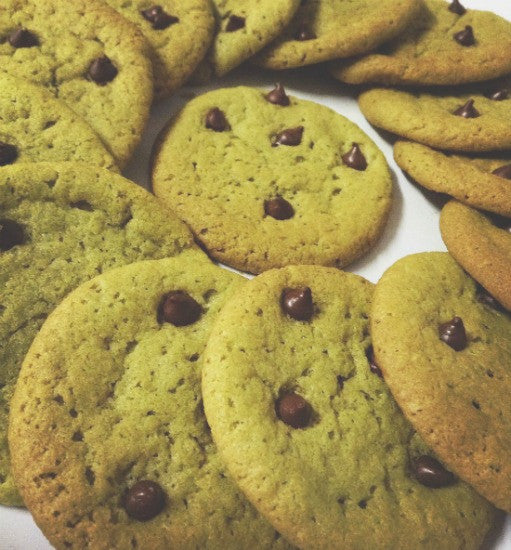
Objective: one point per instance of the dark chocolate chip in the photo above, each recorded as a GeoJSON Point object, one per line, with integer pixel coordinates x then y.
{"type": "Point", "coordinates": [178, 308]}
{"type": "Point", "coordinates": [215, 120]}
{"type": "Point", "coordinates": [468, 110]}
{"type": "Point", "coordinates": [102, 70]}
{"type": "Point", "coordinates": [278, 96]}
{"type": "Point", "coordinates": [291, 137]}
{"type": "Point", "coordinates": [488, 300]}
{"type": "Point", "coordinates": [144, 500]}
{"type": "Point", "coordinates": [498, 95]}
{"type": "Point", "coordinates": [159, 18]}
{"type": "Point", "coordinates": [294, 410]}
{"type": "Point", "coordinates": [304, 33]}
{"type": "Point", "coordinates": [354, 158]}
{"type": "Point", "coordinates": [453, 334]}
{"type": "Point", "coordinates": [373, 367]}
{"type": "Point", "coordinates": [456, 7]}
{"type": "Point", "coordinates": [235, 23]}
{"type": "Point", "coordinates": [297, 303]}
{"type": "Point", "coordinates": [11, 234]}
{"type": "Point", "coordinates": [429, 472]}
{"type": "Point", "coordinates": [465, 37]}
{"type": "Point", "coordinates": [8, 153]}
{"type": "Point", "coordinates": [21, 38]}
{"type": "Point", "coordinates": [278, 208]}
{"type": "Point", "coordinates": [503, 172]}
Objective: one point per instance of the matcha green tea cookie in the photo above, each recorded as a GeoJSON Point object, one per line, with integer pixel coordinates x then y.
{"type": "Point", "coordinates": [60, 225]}
{"type": "Point", "coordinates": [481, 245]}
{"type": "Point", "coordinates": [110, 445]}
{"type": "Point", "coordinates": [326, 29]}
{"type": "Point", "coordinates": [479, 182]}
{"type": "Point", "coordinates": [444, 44]}
{"type": "Point", "coordinates": [34, 126]}
{"type": "Point", "coordinates": [265, 180]}
{"type": "Point", "coordinates": [468, 122]}
{"type": "Point", "coordinates": [444, 347]}
{"type": "Point", "coordinates": [89, 56]}
{"type": "Point", "coordinates": [309, 430]}
{"type": "Point", "coordinates": [179, 34]}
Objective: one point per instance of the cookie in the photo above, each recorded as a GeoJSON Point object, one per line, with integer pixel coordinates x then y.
{"type": "Point", "coordinates": [445, 352]}
{"type": "Point", "coordinates": [60, 225]}
{"type": "Point", "coordinates": [179, 34]}
{"type": "Point", "coordinates": [108, 420]}
{"type": "Point", "coordinates": [265, 180]}
{"type": "Point", "coordinates": [310, 431]}
{"type": "Point", "coordinates": [468, 122]}
{"type": "Point", "coordinates": [479, 182]}
{"type": "Point", "coordinates": [481, 245]}
{"type": "Point", "coordinates": [445, 44]}
{"type": "Point", "coordinates": [327, 29]}
{"type": "Point", "coordinates": [34, 126]}
{"type": "Point", "coordinates": [89, 56]}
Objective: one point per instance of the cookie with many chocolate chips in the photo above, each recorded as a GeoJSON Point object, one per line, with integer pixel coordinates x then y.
{"type": "Point", "coordinates": [110, 445]}
{"type": "Point", "coordinates": [89, 56]}
{"type": "Point", "coordinates": [445, 351]}
{"type": "Point", "coordinates": [312, 434]}
{"type": "Point", "coordinates": [266, 180]}
{"type": "Point", "coordinates": [442, 45]}
{"type": "Point", "coordinates": [60, 225]}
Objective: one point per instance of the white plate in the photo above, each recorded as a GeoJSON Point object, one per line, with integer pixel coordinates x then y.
{"type": "Point", "coordinates": [413, 224]}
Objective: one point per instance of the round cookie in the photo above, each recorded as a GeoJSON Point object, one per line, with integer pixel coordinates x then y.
{"type": "Point", "coordinates": [60, 225]}
{"type": "Point", "coordinates": [468, 122]}
{"type": "Point", "coordinates": [310, 431]}
{"type": "Point", "coordinates": [327, 29]}
{"type": "Point", "coordinates": [179, 34]}
{"type": "Point", "coordinates": [89, 56]}
{"type": "Point", "coordinates": [437, 49]}
{"type": "Point", "coordinates": [110, 445]}
{"type": "Point", "coordinates": [34, 126]}
{"type": "Point", "coordinates": [445, 353]}
{"type": "Point", "coordinates": [263, 183]}
{"type": "Point", "coordinates": [482, 246]}
{"type": "Point", "coordinates": [470, 180]}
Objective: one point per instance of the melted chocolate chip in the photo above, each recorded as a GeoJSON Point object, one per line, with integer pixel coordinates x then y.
{"type": "Point", "coordinates": [278, 208]}
{"type": "Point", "coordinates": [291, 137]}
{"type": "Point", "coordinates": [354, 158]}
{"type": "Point", "coordinates": [465, 37]}
{"type": "Point", "coordinates": [498, 95]}
{"type": "Point", "coordinates": [8, 153]}
{"type": "Point", "coordinates": [159, 18]}
{"type": "Point", "coordinates": [294, 410]}
{"type": "Point", "coordinates": [488, 300]}
{"type": "Point", "coordinates": [297, 303]}
{"type": "Point", "coordinates": [429, 472]}
{"type": "Point", "coordinates": [178, 308]}
{"type": "Point", "coordinates": [456, 7]}
{"type": "Point", "coordinates": [21, 38]}
{"type": "Point", "coordinates": [304, 33]}
{"type": "Point", "coordinates": [235, 23]}
{"type": "Point", "coordinates": [144, 500]}
{"type": "Point", "coordinates": [215, 120]}
{"type": "Point", "coordinates": [468, 110]}
{"type": "Point", "coordinates": [453, 334]}
{"type": "Point", "coordinates": [11, 234]}
{"type": "Point", "coordinates": [102, 70]}
{"type": "Point", "coordinates": [373, 367]}
{"type": "Point", "coordinates": [278, 96]}
{"type": "Point", "coordinates": [503, 172]}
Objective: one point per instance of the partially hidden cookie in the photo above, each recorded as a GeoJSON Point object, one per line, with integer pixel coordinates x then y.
{"type": "Point", "coordinates": [265, 180]}
{"type": "Point", "coordinates": [310, 431]}
{"type": "Point", "coordinates": [444, 44]}
{"type": "Point", "coordinates": [110, 445]}
{"type": "Point", "coordinates": [35, 126]}
{"type": "Point", "coordinates": [179, 34]}
{"type": "Point", "coordinates": [481, 245]}
{"type": "Point", "coordinates": [60, 225]}
{"type": "Point", "coordinates": [445, 352]}
{"type": "Point", "coordinates": [476, 181]}
{"type": "Point", "coordinates": [327, 29]}
{"type": "Point", "coordinates": [89, 56]}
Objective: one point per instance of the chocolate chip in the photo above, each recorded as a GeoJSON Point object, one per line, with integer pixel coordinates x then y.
{"type": "Point", "coordinates": [456, 7]}
{"type": "Point", "coordinates": [468, 110]}
{"type": "Point", "coordinates": [178, 308]}
{"type": "Point", "coordinates": [487, 299]}
{"type": "Point", "coordinates": [354, 158]}
{"type": "Point", "coordinates": [159, 18]}
{"type": "Point", "coordinates": [102, 70]}
{"type": "Point", "coordinates": [278, 96]}
{"type": "Point", "coordinates": [235, 23]}
{"type": "Point", "coordinates": [498, 95]}
{"type": "Point", "coordinates": [429, 472]}
{"type": "Point", "coordinates": [294, 410]}
{"type": "Point", "coordinates": [297, 303]}
{"type": "Point", "coordinates": [291, 137]}
{"type": "Point", "coordinates": [144, 500]}
{"type": "Point", "coordinates": [304, 33]}
{"type": "Point", "coordinates": [373, 367]}
{"type": "Point", "coordinates": [503, 172]}
{"type": "Point", "coordinates": [8, 153]}
{"type": "Point", "coordinates": [465, 37]}
{"type": "Point", "coordinates": [11, 234]}
{"type": "Point", "coordinates": [215, 120]}
{"type": "Point", "coordinates": [21, 38]}
{"type": "Point", "coordinates": [278, 208]}
{"type": "Point", "coordinates": [453, 334]}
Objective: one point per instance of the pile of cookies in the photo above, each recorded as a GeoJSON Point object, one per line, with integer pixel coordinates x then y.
{"type": "Point", "coordinates": [150, 398]}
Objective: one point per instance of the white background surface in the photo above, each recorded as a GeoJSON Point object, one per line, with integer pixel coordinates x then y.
{"type": "Point", "coordinates": [412, 227]}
